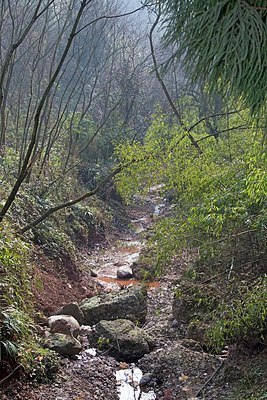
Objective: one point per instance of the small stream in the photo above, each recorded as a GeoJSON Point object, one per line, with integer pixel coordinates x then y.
{"type": "Point", "coordinates": [107, 266]}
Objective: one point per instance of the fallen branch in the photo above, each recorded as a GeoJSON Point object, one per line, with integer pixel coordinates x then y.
{"type": "Point", "coordinates": [9, 375]}
{"type": "Point", "coordinates": [69, 203]}
{"type": "Point", "coordinates": [210, 379]}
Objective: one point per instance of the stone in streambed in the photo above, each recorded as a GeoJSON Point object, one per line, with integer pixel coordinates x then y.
{"type": "Point", "coordinates": [124, 272]}
{"type": "Point", "coordinates": [146, 379]}
{"type": "Point", "coordinates": [93, 273]}
{"type": "Point", "coordinates": [64, 345]}
{"type": "Point", "coordinates": [121, 338]}
{"type": "Point", "coordinates": [72, 309]}
{"type": "Point", "coordinates": [173, 361]}
{"type": "Point", "coordinates": [130, 303]}
{"type": "Point", "coordinates": [65, 324]}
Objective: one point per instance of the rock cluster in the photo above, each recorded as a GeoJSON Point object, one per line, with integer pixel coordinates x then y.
{"type": "Point", "coordinates": [114, 318]}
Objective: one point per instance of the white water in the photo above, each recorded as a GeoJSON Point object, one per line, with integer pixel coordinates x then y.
{"type": "Point", "coordinates": [128, 385]}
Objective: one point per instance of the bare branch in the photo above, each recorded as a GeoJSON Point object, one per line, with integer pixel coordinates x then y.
{"type": "Point", "coordinates": [165, 90]}
{"type": "Point", "coordinates": [213, 116]}
{"type": "Point", "coordinates": [105, 17]}
{"type": "Point", "coordinates": [24, 169]}
{"type": "Point", "coordinates": [70, 203]}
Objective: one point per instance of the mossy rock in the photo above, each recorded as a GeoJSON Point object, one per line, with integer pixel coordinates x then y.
{"type": "Point", "coordinates": [196, 331]}
{"type": "Point", "coordinates": [129, 303]}
{"type": "Point", "coordinates": [122, 339]}
{"type": "Point", "coordinates": [64, 345]}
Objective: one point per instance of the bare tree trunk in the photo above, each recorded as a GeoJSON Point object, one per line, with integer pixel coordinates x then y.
{"type": "Point", "coordinates": [27, 164]}
{"type": "Point", "coordinates": [166, 92]}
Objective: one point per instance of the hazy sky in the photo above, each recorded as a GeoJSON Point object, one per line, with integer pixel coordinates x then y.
{"type": "Point", "coordinates": [131, 4]}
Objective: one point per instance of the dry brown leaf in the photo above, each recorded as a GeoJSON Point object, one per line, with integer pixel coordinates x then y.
{"type": "Point", "coordinates": [183, 378]}
{"type": "Point", "coordinates": [124, 365]}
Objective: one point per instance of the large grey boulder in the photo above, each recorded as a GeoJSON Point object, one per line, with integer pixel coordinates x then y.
{"type": "Point", "coordinates": [72, 309]}
{"type": "Point", "coordinates": [130, 303]}
{"type": "Point", "coordinates": [63, 324]}
{"type": "Point", "coordinates": [65, 345]}
{"type": "Point", "coordinates": [122, 338]}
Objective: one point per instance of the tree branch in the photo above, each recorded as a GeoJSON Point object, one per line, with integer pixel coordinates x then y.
{"type": "Point", "coordinates": [105, 17]}
{"type": "Point", "coordinates": [212, 116]}
{"type": "Point", "coordinates": [70, 203]}
{"type": "Point", "coordinates": [223, 131]}
{"type": "Point", "coordinates": [24, 169]}
{"type": "Point", "coordinates": [165, 90]}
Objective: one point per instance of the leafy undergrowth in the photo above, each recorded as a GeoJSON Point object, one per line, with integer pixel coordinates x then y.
{"type": "Point", "coordinates": [19, 346]}
{"type": "Point", "coordinates": [41, 271]}
{"type": "Point", "coordinates": [244, 378]}
{"type": "Point", "coordinates": [218, 210]}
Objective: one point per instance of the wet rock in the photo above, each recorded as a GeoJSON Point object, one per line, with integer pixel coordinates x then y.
{"type": "Point", "coordinates": [170, 363]}
{"type": "Point", "coordinates": [72, 309]}
{"type": "Point", "coordinates": [146, 379]}
{"type": "Point", "coordinates": [64, 345]}
{"type": "Point", "coordinates": [130, 303]}
{"type": "Point", "coordinates": [174, 324]}
{"type": "Point", "coordinates": [124, 272]}
{"type": "Point", "coordinates": [63, 324]}
{"type": "Point", "coordinates": [85, 330]}
{"type": "Point", "coordinates": [122, 338]}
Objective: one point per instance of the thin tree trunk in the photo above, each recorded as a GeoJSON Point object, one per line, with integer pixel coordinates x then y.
{"type": "Point", "coordinates": [25, 167]}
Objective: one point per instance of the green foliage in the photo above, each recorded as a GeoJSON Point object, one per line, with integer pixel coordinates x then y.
{"type": "Point", "coordinates": [247, 378]}
{"type": "Point", "coordinates": [218, 194]}
{"type": "Point", "coordinates": [223, 43]}
{"type": "Point", "coordinates": [194, 301]}
{"type": "Point", "coordinates": [15, 305]}
{"type": "Point", "coordinates": [15, 270]}
{"type": "Point", "coordinates": [219, 207]}
{"type": "Point", "coordinates": [43, 366]}
{"type": "Point", "coordinates": [8, 166]}
{"type": "Point", "coordinates": [245, 318]}
{"type": "Point", "coordinates": [103, 342]}
{"type": "Point", "coordinates": [15, 330]}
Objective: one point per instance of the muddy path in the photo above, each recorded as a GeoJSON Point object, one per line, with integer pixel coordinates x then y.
{"type": "Point", "coordinates": [124, 250]}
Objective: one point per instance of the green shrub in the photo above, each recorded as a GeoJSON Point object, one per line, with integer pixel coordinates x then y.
{"type": "Point", "coordinates": [16, 301]}
{"type": "Point", "coordinates": [15, 329]}
{"type": "Point", "coordinates": [245, 318]}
